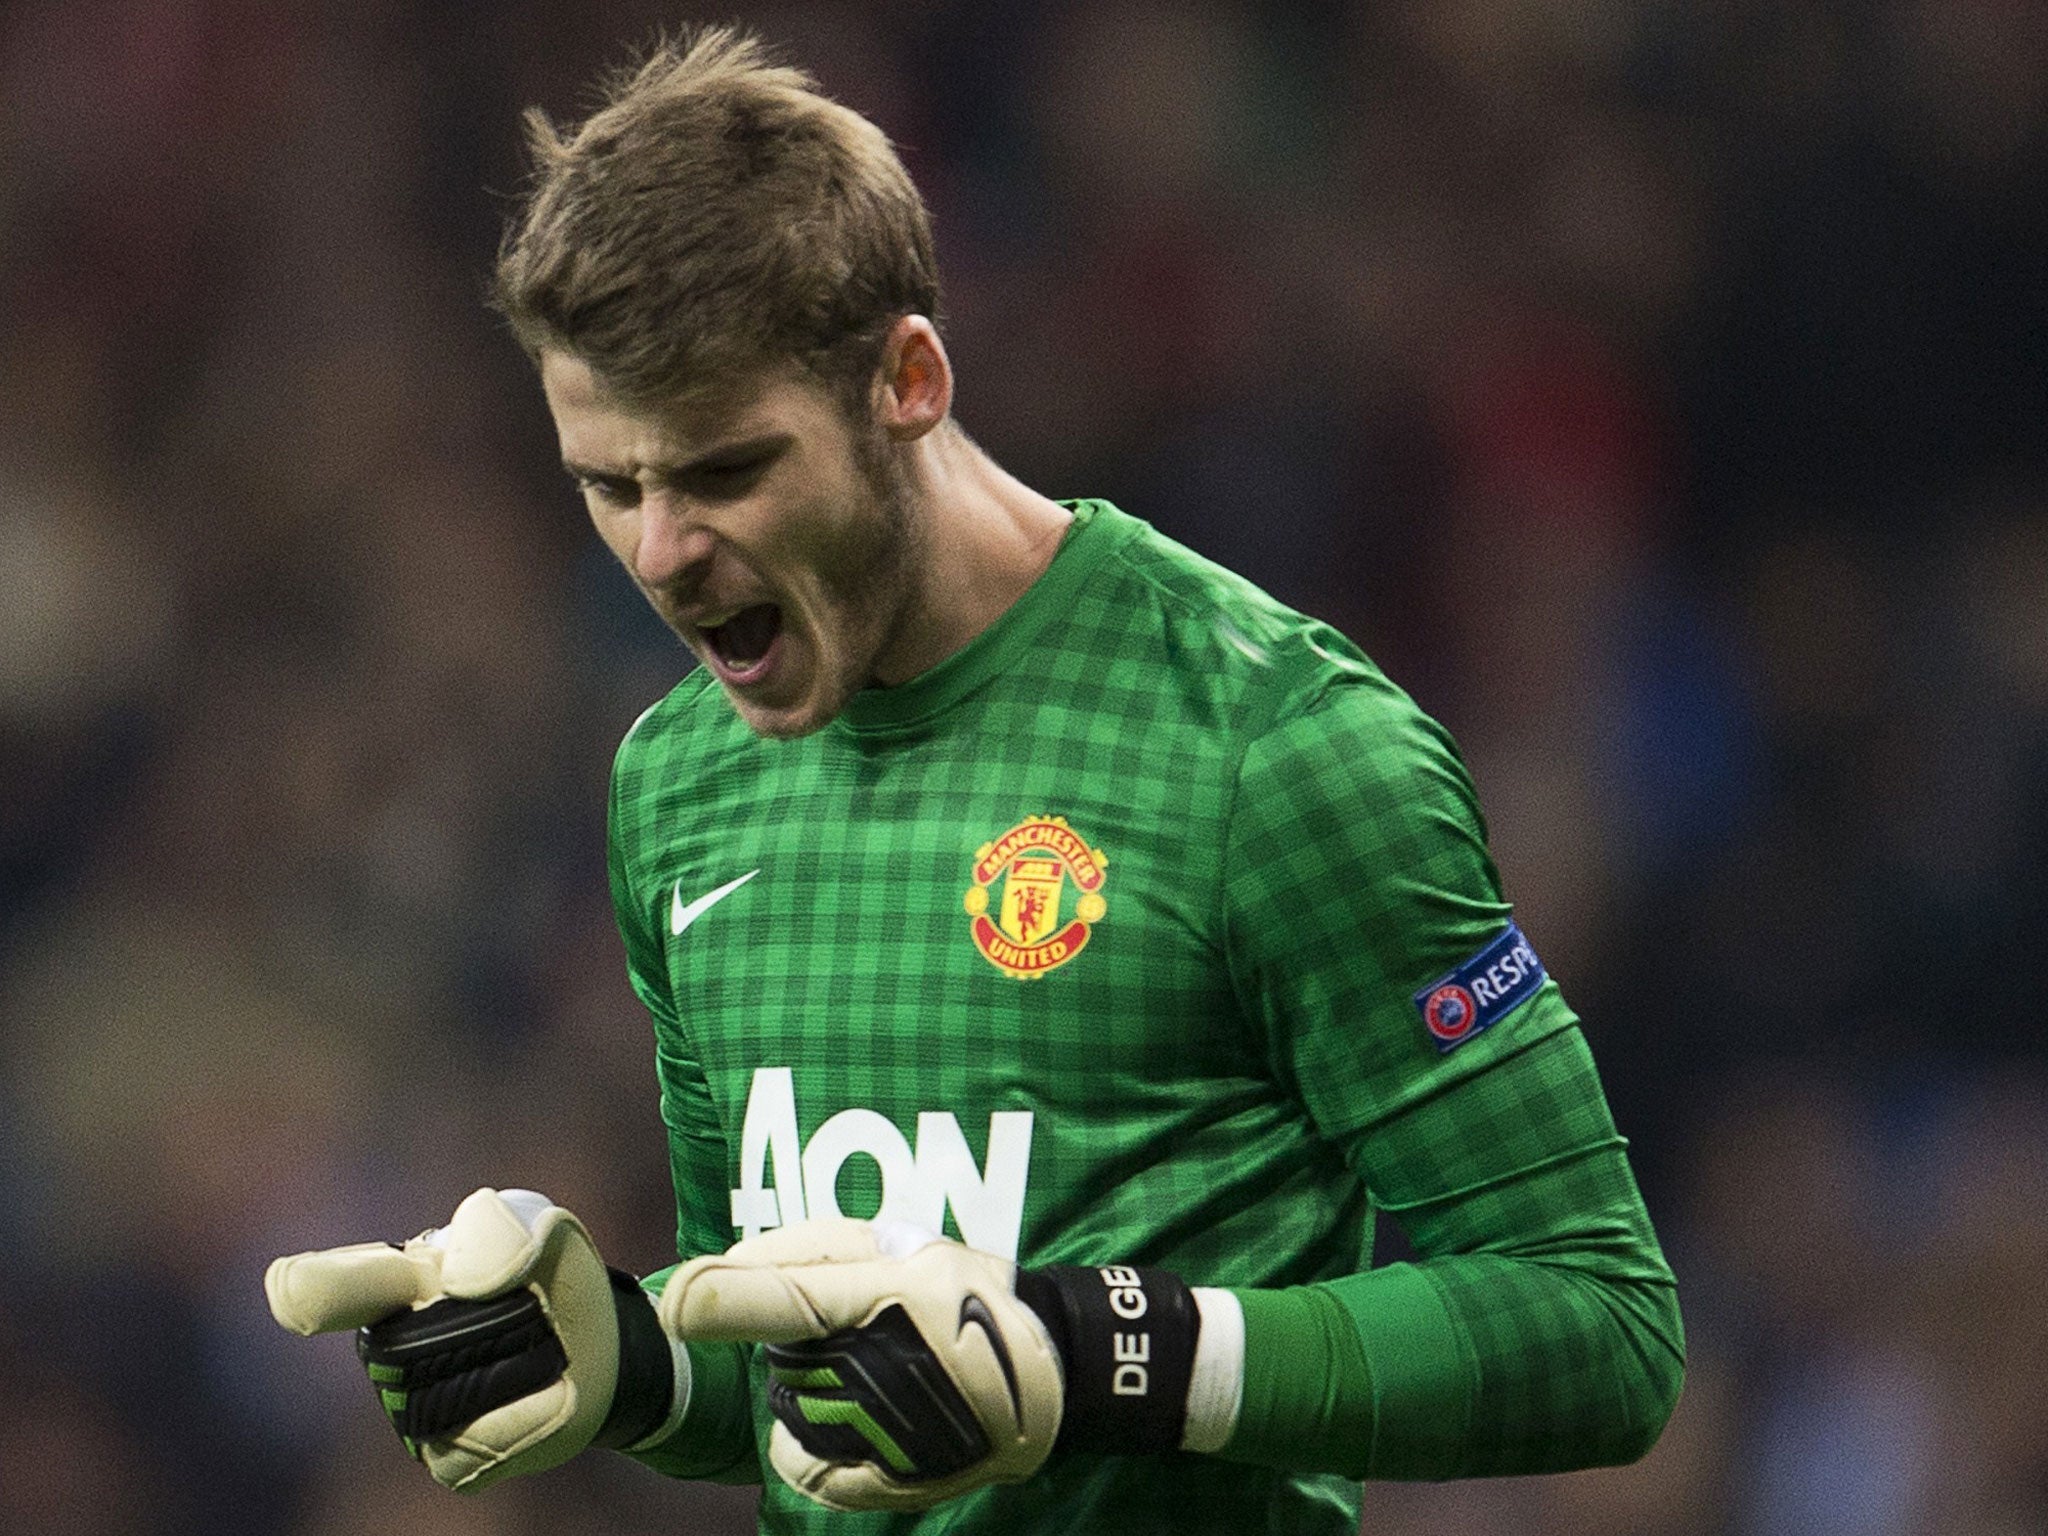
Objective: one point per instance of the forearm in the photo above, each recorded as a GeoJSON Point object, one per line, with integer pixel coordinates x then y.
{"type": "Point", "coordinates": [1381, 1376]}
{"type": "Point", "coordinates": [713, 1441]}
{"type": "Point", "coordinates": [1538, 1333]}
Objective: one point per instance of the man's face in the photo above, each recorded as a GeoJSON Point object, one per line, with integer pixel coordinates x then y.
{"type": "Point", "coordinates": [765, 529]}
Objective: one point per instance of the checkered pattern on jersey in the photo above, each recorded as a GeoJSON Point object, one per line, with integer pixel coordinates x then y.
{"type": "Point", "coordinates": [1357, 873]}
{"type": "Point", "coordinates": [1107, 698]}
{"type": "Point", "coordinates": [1289, 850]}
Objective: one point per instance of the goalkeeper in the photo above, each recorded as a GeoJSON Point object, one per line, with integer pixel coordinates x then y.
{"type": "Point", "coordinates": [1056, 950]}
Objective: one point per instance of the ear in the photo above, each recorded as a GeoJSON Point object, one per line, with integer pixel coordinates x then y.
{"type": "Point", "coordinates": [914, 385]}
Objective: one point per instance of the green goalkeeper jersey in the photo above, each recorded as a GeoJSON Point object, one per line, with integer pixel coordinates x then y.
{"type": "Point", "coordinates": [1153, 926]}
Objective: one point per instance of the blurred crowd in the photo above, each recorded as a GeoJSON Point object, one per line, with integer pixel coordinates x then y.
{"type": "Point", "coordinates": [1659, 391]}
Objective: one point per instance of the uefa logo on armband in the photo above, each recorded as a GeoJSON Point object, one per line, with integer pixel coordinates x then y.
{"type": "Point", "coordinates": [1016, 903]}
{"type": "Point", "coordinates": [1480, 993]}
{"type": "Point", "coordinates": [1450, 1013]}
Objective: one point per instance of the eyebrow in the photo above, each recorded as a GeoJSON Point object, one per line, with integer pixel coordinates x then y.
{"type": "Point", "coordinates": [744, 448]}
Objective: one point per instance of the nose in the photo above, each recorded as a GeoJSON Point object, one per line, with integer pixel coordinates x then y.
{"type": "Point", "coordinates": [671, 543]}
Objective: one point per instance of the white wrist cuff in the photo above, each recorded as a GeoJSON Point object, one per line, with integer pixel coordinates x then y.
{"type": "Point", "coordinates": [1216, 1390]}
{"type": "Point", "coordinates": [679, 1399]}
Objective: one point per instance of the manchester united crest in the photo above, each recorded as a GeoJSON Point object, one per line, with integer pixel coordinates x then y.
{"type": "Point", "coordinates": [1017, 903]}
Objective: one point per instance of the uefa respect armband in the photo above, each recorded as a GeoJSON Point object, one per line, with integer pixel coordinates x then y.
{"type": "Point", "coordinates": [1480, 993]}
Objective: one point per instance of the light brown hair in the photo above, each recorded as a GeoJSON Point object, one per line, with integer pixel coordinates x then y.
{"type": "Point", "coordinates": [715, 217]}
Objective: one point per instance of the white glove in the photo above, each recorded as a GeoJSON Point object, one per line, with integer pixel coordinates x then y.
{"type": "Point", "coordinates": [903, 1368]}
{"type": "Point", "coordinates": [494, 1341]}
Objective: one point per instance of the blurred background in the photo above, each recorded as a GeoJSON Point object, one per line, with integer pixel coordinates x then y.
{"type": "Point", "coordinates": [1658, 390]}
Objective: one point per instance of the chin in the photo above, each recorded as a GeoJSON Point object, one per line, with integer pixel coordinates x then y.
{"type": "Point", "coordinates": [782, 722]}
{"type": "Point", "coordinates": [823, 694]}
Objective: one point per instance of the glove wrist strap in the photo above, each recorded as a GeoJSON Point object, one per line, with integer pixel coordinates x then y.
{"type": "Point", "coordinates": [647, 1369]}
{"type": "Point", "coordinates": [1126, 1340]}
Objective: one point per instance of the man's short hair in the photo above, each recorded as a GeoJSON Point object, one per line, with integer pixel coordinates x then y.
{"type": "Point", "coordinates": [714, 218]}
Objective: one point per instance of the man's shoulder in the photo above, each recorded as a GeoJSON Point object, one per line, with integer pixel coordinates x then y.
{"type": "Point", "coordinates": [691, 717]}
{"type": "Point", "coordinates": [1228, 636]}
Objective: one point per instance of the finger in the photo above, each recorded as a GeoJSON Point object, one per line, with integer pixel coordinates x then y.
{"type": "Point", "coordinates": [447, 1364]}
{"type": "Point", "coordinates": [348, 1287]}
{"type": "Point", "coordinates": [829, 1240]}
{"type": "Point", "coordinates": [847, 1486]}
{"type": "Point", "coordinates": [484, 1451]}
{"type": "Point", "coordinates": [823, 1482]}
{"type": "Point", "coordinates": [494, 1240]}
{"type": "Point", "coordinates": [716, 1300]}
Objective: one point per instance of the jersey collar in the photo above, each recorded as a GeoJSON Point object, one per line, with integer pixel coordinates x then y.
{"type": "Point", "coordinates": [1097, 530]}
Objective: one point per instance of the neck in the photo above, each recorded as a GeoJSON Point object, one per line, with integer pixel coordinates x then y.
{"type": "Point", "coordinates": [986, 537]}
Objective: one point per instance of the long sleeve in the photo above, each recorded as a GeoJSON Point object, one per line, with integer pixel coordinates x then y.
{"type": "Point", "coordinates": [715, 1440]}
{"type": "Point", "coordinates": [1538, 1330]}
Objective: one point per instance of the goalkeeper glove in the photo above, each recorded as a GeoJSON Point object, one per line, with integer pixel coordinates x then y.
{"type": "Point", "coordinates": [499, 1344]}
{"type": "Point", "coordinates": [905, 1369]}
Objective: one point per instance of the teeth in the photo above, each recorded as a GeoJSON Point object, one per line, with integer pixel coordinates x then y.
{"type": "Point", "coordinates": [712, 621]}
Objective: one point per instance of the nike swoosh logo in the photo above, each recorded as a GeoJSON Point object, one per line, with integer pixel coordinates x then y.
{"type": "Point", "coordinates": [681, 916]}
{"type": "Point", "coordinates": [974, 1310]}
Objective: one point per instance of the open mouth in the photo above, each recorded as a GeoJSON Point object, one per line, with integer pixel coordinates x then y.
{"type": "Point", "coordinates": [741, 644]}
